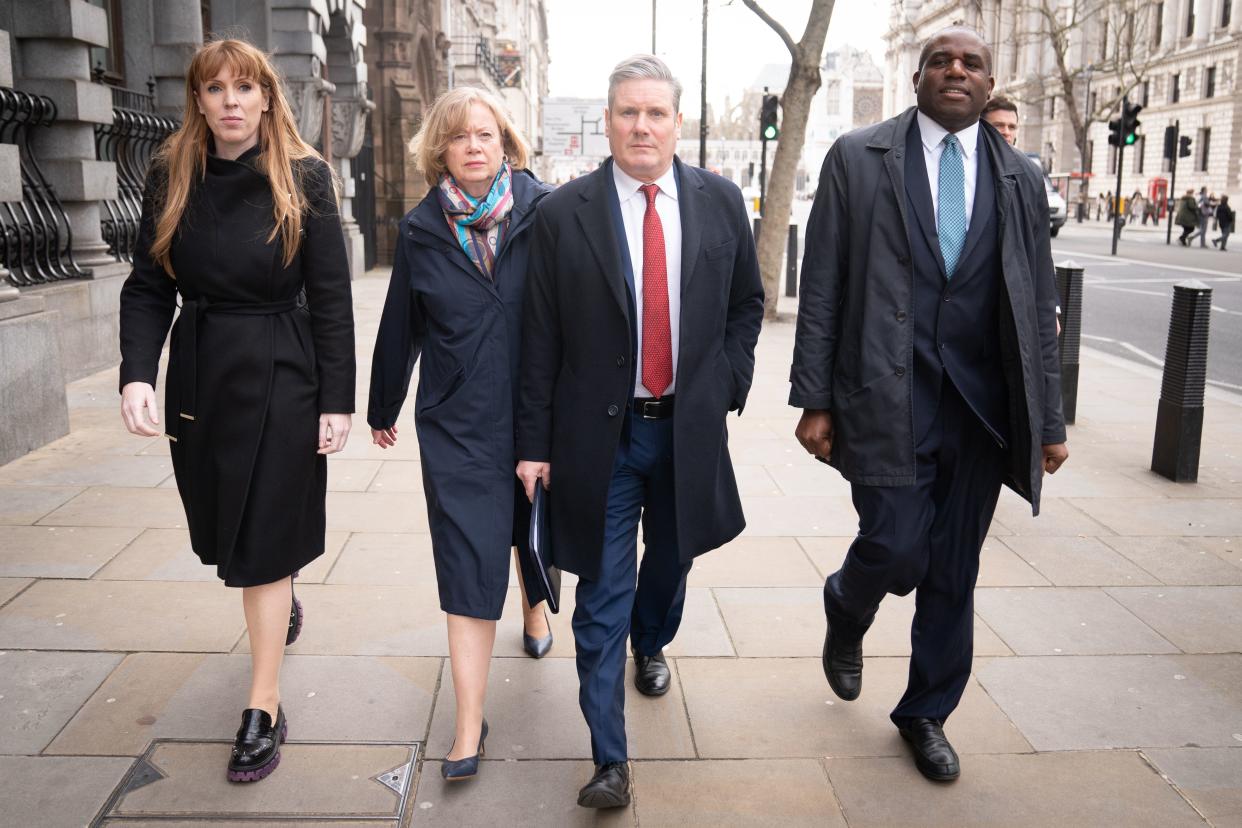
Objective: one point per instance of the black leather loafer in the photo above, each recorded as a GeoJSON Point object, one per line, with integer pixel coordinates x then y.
{"type": "Point", "coordinates": [609, 788]}
{"type": "Point", "coordinates": [455, 770]}
{"type": "Point", "coordinates": [933, 755]}
{"type": "Point", "coordinates": [843, 663]}
{"type": "Point", "coordinates": [256, 751]}
{"type": "Point", "coordinates": [537, 647]}
{"type": "Point", "coordinates": [651, 675]}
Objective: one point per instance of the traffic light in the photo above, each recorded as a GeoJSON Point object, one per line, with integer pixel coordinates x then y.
{"type": "Point", "coordinates": [1114, 132]}
{"type": "Point", "coordinates": [1183, 149]}
{"type": "Point", "coordinates": [1130, 122]}
{"type": "Point", "coordinates": [1170, 141]}
{"type": "Point", "coordinates": [768, 128]}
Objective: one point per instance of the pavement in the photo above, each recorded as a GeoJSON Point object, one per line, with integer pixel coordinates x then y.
{"type": "Point", "coordinates": [1107, 687]}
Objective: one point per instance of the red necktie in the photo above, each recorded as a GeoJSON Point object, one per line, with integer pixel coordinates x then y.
{"type": "Point", "coordinates": [657, 335]}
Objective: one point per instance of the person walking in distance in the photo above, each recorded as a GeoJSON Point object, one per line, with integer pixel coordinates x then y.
{"type": "Point", "coordinates": [925, 362]}
{"type": "Point", "coordinates": [643, 306]}
{"type": "Point", "coordinates": [1225, 218]}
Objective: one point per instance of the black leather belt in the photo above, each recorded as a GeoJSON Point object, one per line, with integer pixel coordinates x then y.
{"type": "Point", "coordinates": [653, 409]}
{"type": "Point", "coordinates": [192, 311]}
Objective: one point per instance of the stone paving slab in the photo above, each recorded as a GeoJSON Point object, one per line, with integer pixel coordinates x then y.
{"type": "Point", "coordinates": [755, 562]}
{"type": "Point", "coordinates": [998, 565]}
{"type": "Point", "coordinates": [1081, 561]}
{"type": "Point", "coordinates": [351, 475]}
{"type": "Point", "coordinates": [24, 505]}
{"type": "Point", "coordinates": [392, 558]}
{"type": "Point", "coordinates": [187, 696]}
{"type": "Point", "coordinates": [398, 476]}
{"type": "Point", "coordinates": [1058, 517]}
{"type": "Point", "coordinates": [122, 616]}
{"type": "Point", "coordinates": [1206, 619]}
{"type": "Point", "coordinates": [1099, 702]}
{"type": "Point", "coordinates": [760, 792]}
{"type": "Point", "coordinates": [510, 793]}
{"type": "Point", "coordinates": [802, 515]}
{"type": "Point", "coordinates": [166, 555]}
{"type": "Point", "coordinates": [1211, 778]}
{"type": "Point", "coordinates": [116, 506]}
{"type": "Point", "coordinates": [1072, 621]}
{"type": "Point", "coordinates": [807, 476]}
{"type": "Point", "coordinates": [1166, 516]}
{"type": "Point", "coordinates": [376, 512]}
{"type": "Point", "coordinates": [10, 587]}
{"type": "Point", "coordinates": [1037, 790]}
{"type": "Point", "coordinates": [57, 791]}
{"type": "Point", "coordinates": [783, 708]}
{"type": "Point", "coordinates": [72, 469]}
{"type": "Point", "coordinates": [532, 713]}
{"type": "Point", "coordinates": [754, 479]}
{"type": "Point", "coordinates": [789, 622]}
{"type": "Point", "coordinates": [314, 779]}
{"type": "Point", "coordinates": [60, 552]}
{"type": "Point", "coordinates": [40, 691]}
{"type": "Point", "coordinates": [1185, 561]}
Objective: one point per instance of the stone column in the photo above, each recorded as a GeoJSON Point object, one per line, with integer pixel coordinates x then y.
{"type": "Point", "coordinates": [1203, 20]}
{"type": "Point", "coordinates": [54, 37]}
{"type": "Point", "coordinates": [178, 30]}
{"type": "Point", "coordinates": [1168, 28]}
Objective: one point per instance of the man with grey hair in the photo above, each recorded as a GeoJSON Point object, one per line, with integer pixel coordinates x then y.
{"type": "Point", "coordinates": [643, 305]}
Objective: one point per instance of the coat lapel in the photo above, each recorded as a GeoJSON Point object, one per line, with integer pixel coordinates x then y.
{"type": "Point", "coordinates": [693, 204]}
{"type": "Point", "coordinates": [919, 191]}
{"type": "Point", "coordinates": [595, 216]}
{"type": "Point", "coordinates": [429, 227]}
{"type": "Point", "coordinates": [985, 198]}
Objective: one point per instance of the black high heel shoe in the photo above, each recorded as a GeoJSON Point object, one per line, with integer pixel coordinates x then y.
{"type": "Point", "coordinates": [295, 615]}
{"type": "Point", "coordinates": [455, 770]}
{"type": "Point", "coordinates": [537, 647]}
{"type": "Point", "coordinates": [256, 751]}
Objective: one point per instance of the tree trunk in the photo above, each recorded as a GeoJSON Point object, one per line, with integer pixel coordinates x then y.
{"type": "Point", "coordinates": [804, 81]}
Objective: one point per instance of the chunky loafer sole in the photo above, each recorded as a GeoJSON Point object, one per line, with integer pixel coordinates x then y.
{"type": "Point", "coordinates": [264, 770]}
{"type": "Point", "coordinates": [603, 799]}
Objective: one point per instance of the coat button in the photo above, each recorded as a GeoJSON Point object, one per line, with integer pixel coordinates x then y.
{"type": "Point", "coordinates": [901, 370]}
{"type": "Point", "coordinates": [901, 316]}
{"type": "Point", "coordinates": [613, 411]}
{"type": "Point", "coordinates": [620, 362]}
{"type": "Point", "coordinates": [948, 296]}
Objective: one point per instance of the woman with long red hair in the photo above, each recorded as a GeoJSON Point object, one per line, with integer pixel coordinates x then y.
{"type": "Point", "coordinates": [240, 228]}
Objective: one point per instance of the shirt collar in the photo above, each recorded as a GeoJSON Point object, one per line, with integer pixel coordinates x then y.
{"type": "Point", "coordinates": [933, 133]}
{"type": "Point", "coordinates": [627, 185]}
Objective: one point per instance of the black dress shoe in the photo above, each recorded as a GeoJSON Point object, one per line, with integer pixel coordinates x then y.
{"type": "Point", "coordinates": [651, 675]}
{"type": "Point", "coordinates": [935, 757]}
{"type": "Point", "coordinates": [843, 663]}
{"type": "Point", "coordinates": [256, 751]}
{"type": "Point", "coordinates": [609, 788]}
{"type": "Point", "coordinates": [537, 647]}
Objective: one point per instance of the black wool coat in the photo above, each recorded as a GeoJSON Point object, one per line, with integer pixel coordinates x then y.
{"type": "Point", "coordinates": [578, 356]}
{"type": "Point", "coordinates": [258, 352]}
{"type": "Point", "coordinates": [464, 330]}
{"type": "Point", "coordinates": [855, 312]}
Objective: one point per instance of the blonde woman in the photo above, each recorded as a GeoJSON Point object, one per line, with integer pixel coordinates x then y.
{"type": "Point", "coordinates": [455, 302]}
{"type": "Point", "coordinates": [240, 228]}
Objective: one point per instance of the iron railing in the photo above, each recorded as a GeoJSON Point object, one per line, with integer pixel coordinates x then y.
{"type": "Point", "coordinates": [37, 244]}
{"type": "Point", "coordinates": [475, 51]}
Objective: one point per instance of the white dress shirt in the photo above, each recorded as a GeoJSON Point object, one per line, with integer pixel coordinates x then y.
{"type": "Point", "coordinates": [633, 209]}
{"type": "Point", "coordinates": [932, 134]}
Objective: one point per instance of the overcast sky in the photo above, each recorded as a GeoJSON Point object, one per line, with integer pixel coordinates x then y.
{"type": "Point", "coordinates": [586, 41]}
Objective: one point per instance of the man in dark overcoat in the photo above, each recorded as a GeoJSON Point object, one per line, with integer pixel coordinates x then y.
{"type": "Point", "coordinates": [926, 366]}
{"type": "Point", "coordinates": [643, 305]}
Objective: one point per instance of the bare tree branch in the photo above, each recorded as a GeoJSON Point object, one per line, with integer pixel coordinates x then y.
{"type": "Point", "coordinates": [776, 26]}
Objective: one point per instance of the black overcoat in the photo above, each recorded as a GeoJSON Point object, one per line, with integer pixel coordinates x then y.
{"type": "Point", "coordinates": [465, 331]}
{"type": "Point", "coordinates": [857, 300]}
{"type": "Point", "coordinates": [258, 352]}
{"type": "Point", "coordinates": [578, 355]}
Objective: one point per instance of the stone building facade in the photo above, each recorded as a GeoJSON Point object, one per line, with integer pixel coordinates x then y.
{"type": "Point", "coordinates": [1188, 54]}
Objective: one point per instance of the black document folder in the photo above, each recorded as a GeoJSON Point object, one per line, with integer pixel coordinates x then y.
{"type": "Point", "coordinates": [542, 579]}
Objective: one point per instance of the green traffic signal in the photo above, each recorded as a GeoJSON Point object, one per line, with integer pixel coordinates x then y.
{"type": "Point", "coordinates": [1131, 139]}
{"type": "Point", "coordinates": [769, 132]}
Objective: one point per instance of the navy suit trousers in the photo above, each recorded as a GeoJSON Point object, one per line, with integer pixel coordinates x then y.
{"type": "Point", "coordinates": [613, 607]}
{"type": "Point", "coordinates": [925, 537]}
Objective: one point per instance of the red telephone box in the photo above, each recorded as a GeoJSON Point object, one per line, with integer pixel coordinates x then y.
{"type": "Point", "coordinates": [1158, 192]}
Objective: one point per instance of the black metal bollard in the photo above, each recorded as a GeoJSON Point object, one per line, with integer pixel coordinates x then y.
{"type": "Point", "coordinates": [1069, 290]}
{"type": "Point", "coordinates": [758, 226]}
{"type": "Point", "coordinates": [1179, 416]}
{"type": "Point", "coordinates": [791, 262]}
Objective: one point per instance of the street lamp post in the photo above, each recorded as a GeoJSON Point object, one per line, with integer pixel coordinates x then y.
{"type": "Point", "coordinates": [703, 101]}
{"type": "Point", "coordinates": [1086, 129]}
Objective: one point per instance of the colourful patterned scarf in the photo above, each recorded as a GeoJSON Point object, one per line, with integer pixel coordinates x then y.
{"type": "Point", "coordinates": [478, 224]}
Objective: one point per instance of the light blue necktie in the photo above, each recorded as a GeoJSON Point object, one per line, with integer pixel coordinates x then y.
{"type": "Point", "coordinates": [951, 221]}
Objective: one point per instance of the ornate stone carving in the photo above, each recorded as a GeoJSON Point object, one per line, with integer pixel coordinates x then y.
{"type": "Point", "coordinates": [306, 100]}
{"type": "Point", "coordinates": [349, 120]}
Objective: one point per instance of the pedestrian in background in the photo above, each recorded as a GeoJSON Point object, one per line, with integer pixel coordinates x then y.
{"type": "Point", "coordinates": [455, 305]}
{"type": "Point", "coordinates": [643, 307]}
{"type": "Point", "coordinates": [240, 223]}
{"type": "Point", "coordinates": [1002, 113]}
{"type": "Point", "coordinates": [1225, 218]}
{"type": "Point", "coordinates": [925, 362]}
{"type": "Point", "coordinates": [1205, 207]}
{"type": "Point", "coordinates": [1136, 206]}
{"type": "Point", "coordinates": [1187, 217]}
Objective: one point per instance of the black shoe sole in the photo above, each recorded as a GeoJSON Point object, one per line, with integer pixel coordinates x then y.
{"type": "Point", "coordinates": [603, 799]}
{"type": "Point", "coordinates": [653, 693]}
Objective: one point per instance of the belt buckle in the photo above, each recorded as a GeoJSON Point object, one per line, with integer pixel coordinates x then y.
{"type": "Point", "coordinates": [650, 405]}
